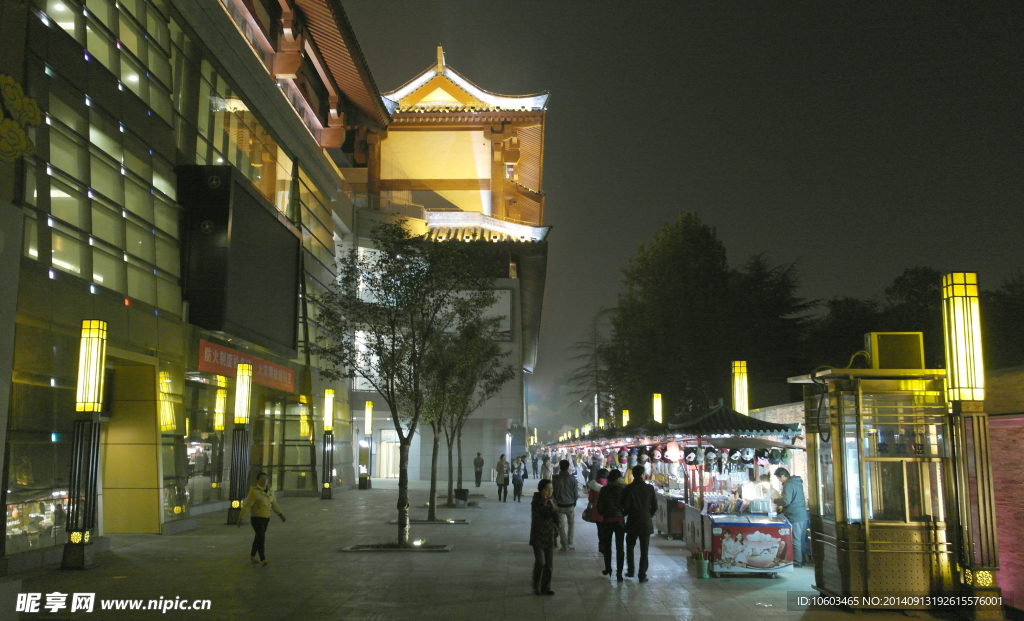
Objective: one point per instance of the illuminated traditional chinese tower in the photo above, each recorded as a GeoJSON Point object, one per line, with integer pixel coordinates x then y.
{"type": "Point", "coordinates": [462, 164]}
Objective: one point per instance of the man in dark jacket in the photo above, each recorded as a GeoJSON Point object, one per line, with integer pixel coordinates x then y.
{"type": "Point", "coordinates": [566, 492]}
{"type": "Point", "coordinates": [478, 468]}
{"type": "Point", "coordinates": [639, 504]}
{"type": "Point", "coordinates": [793, 505]}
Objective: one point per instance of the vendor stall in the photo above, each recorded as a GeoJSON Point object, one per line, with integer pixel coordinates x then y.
{"type": "Point", "coordinates": [706, 469]}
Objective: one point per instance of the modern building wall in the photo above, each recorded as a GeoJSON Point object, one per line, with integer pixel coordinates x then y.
{"type": "Point", "coordinates": [128, 92]}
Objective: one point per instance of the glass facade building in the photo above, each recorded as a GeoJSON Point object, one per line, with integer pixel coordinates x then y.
{"type": "Point", "coordinates": [129, 95]}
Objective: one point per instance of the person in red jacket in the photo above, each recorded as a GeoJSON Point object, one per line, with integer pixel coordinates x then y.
{"type": "Point", "coordinates": [595, 489]}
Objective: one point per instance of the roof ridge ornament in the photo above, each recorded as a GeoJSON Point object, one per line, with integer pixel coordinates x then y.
{"type": "Point", "coordinates": [440, 60]}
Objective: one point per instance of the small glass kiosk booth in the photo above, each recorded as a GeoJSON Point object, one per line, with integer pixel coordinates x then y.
{"type": "Point", "coordinates": [880, 475]}
{"type": "Point", "coordinates": [900, 473]}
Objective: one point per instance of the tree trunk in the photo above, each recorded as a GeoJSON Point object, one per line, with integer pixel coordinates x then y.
{"type": "Point", "coordinates": [432, 499]}
{"type": "Point", "coordinates": [451, 473]}
{"type": "Point", "coordinates": [403, 490]}
{"type": "Point", "coordinates": [459, 440]}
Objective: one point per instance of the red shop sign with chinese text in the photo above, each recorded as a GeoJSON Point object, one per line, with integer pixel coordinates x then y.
{"type": "Point", "coordinates": [220, 360]}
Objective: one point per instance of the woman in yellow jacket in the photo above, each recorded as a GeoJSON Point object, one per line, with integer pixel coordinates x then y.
{"type": "Point", "coordinates": [260, 500]}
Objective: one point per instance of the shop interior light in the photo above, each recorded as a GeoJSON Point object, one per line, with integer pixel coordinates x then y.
{"type": "Point", "coordinates": [329, 409]}
{"type": "Point", "coordinates": [739, 387]}
{"type": "Point", "coordinates": [304, 431]}
{"type": "Point", "coordinates": [243, 388]}
{"type": "Point", "coordinates": [657, 407]}
{"type": "Point", "coordinates": [220, 406]}
{"type": "Point", "coordinates": [92, 358]}
{"type": "Point", "coordinates": [368, 422]}
{"type": "Point", "coordinates": [965, 370]}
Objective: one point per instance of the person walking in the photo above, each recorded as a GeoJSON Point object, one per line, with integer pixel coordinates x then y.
{"type": "Point", "coordinates": [518, 475]}
{"type": "Point", "coordinates": [594, 492]}
{"type": "Point", "coordinates": [793, 505]}
{"type": "Point", "coordinates": [478, 468]}
{"type": "Point", "coordinates": [545, 468]}
{"type": "Point", "coordinates": [502, 469]}
{"type": "Point", "coordinates": [543, 537]}
{"type": "Point", "coordinates": [535, 459]}
{"type": "Point", "coordinates": [260, 502]}
{"type": "Point", "coordinates": [609, 505]}
{"type": "Point", "coordinates": [639, 504]}
{"type": "Point", "coordinates": [566, 493]}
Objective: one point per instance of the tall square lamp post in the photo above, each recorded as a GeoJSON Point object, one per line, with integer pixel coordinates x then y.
{"type": "Point", "coordinates": [240, 442]}
{"type": "Point", "coordinates": [366, 448]}
{"type": "Point", "coordinates": [85, 445]}
{"type": "Point", "coordinates": [740, 400]}
{"type": "Point", "coordinates": [965, 391]}
{"type": "Point", "coordinates": [325, 492]}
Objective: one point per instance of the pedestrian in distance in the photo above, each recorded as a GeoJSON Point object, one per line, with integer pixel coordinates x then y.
{"type": "Point", "coordinates": [594, 490]}
{"type": "Point", "coordinates": [639, 504]}
{"type": "Point", "coordinates": [260, 502]}
{"type": "Point", "coordinates": [613, 526]}
{"type": "Point", "coordinates": [566, 493]}
{"type": "Point", "coordinates": [793, 505]}
{"type": "Point", "coordinates": [502, 470]}
{"type": "Point", "coordinates": [536, 463]}
{"type": "Point", "coordinates": [478, 468]}
{"type": "Point", "coordinates": [518, 475]}
{"type": "Point", "coordinates": [543, 537]}
{"type": "Point", "coordinates": [545, 468]}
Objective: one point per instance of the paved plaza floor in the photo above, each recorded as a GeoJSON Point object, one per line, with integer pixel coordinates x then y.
{"type": "Point", "coordinates": [487, 575]}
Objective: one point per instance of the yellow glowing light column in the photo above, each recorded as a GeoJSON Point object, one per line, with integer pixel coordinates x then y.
{"type": "Point", "coordinates": [625, 417]}
{"type": "Point", "coordinates": [965, 389]}
{"type": "Point", "coordinates": [600, 423]}
{"type": "Point", "coordinates": [965, 370]}
{"type": "Point", "coordinates": [739, 387]}
{"type": "Point", "coordinates": [657, 407]}
{"type": "Point", "coordinates": [81, 516]}
{"type": "Point", "coordinates": [366, 449]}
{"type": "Point", "coordinates": [243, 389]}
{"type": "Point", "coordinates": [240, 441]}
{"type": "Point", "coordinates": [92, 358]}
{"type": "Point", "coordinates": [168, 422]}
{"type": "Point", "coordinates": [220, 406]}
{"type": "Point", "coordinates": [328, 447]}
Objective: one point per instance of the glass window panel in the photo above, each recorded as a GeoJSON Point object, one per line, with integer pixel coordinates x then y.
{"type": "Point", "coordinates": [63, 110]}
{"type": "Point", "coordinates": [108, 271]}
{"type": "Point", "coordinates": [166, 218]}
{"type": "Point", "coordinates": [31, 195]}
{"type": "Point", "coordinates": [134, 7]}
{"type": "Point", "coordinates": [67, 204]}
{"type": "Point", "coordinates": [167, 256]}
{"type": "Point", "coordinates": [30, 245]}
{"type": "Point", "coordinates": [108, 225]}
{"type": "Point", "coordinates": [137, 158]}
{"type": "Point", "coordinates": [63, 14]}
{"type": "Point", "coordinates": [103, 11]}
{"type": "Point", "coordinates": [163, 177]}
{"type": "Point", "coordinates": [107, 180]}
{"type": "Point", "coordinates": [68, 154]}
{"type": "Point", "coordinates": [168, 295]}
{"type": "Point", "coordinates": [204, 107]}
{"type": "Point", "coordinates": [886, 493]}
{"type": "Point", "coordinates": [101, 48]}
{"type": "Point", "coordinates": [142, 284]}
{"type": "Point", "coordinates": [160, 65]}
{"type": "Point", "coordinates": [141, 243]}
{"type": "Point", "coordinates": [105, 134]}
{"type": "Point", "coordinates": [131, 38]}
{"type": "Point", "coordinates": [854, 512]}
{"type": "Point", "coordinates": [283, 189]}
{"type": "Point", "coordinates": [158, 30]}
{"type": "Point", "coordinates": [139, 200]}
{"type": "Point", "coordinates": [134, 78]}
{"type": "Point", "coordinates": [67, 253]}
{"type": "Point", "coordinates": [160, 99]}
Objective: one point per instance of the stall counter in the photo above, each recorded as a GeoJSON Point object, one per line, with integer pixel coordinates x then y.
{"type": "Point", "coordinates": [748, 543]}
{"type": "Point", "coordinates": [669, 519]}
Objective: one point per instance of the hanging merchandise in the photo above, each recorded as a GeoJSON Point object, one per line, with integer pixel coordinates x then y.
{"type": "Point", "coordinates": [787, 456]}
{"type": "Point", "coordinates": [748, 456]}
{"type": "Point", "coordinates": [775, 457]}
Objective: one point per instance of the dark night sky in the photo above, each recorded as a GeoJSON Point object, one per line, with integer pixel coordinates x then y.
{"type": "Point", "coordinates": [856, 138]}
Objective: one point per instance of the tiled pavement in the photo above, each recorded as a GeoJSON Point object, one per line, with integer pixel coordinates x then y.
{"type": "Point", "coordinates": [486, 576]}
